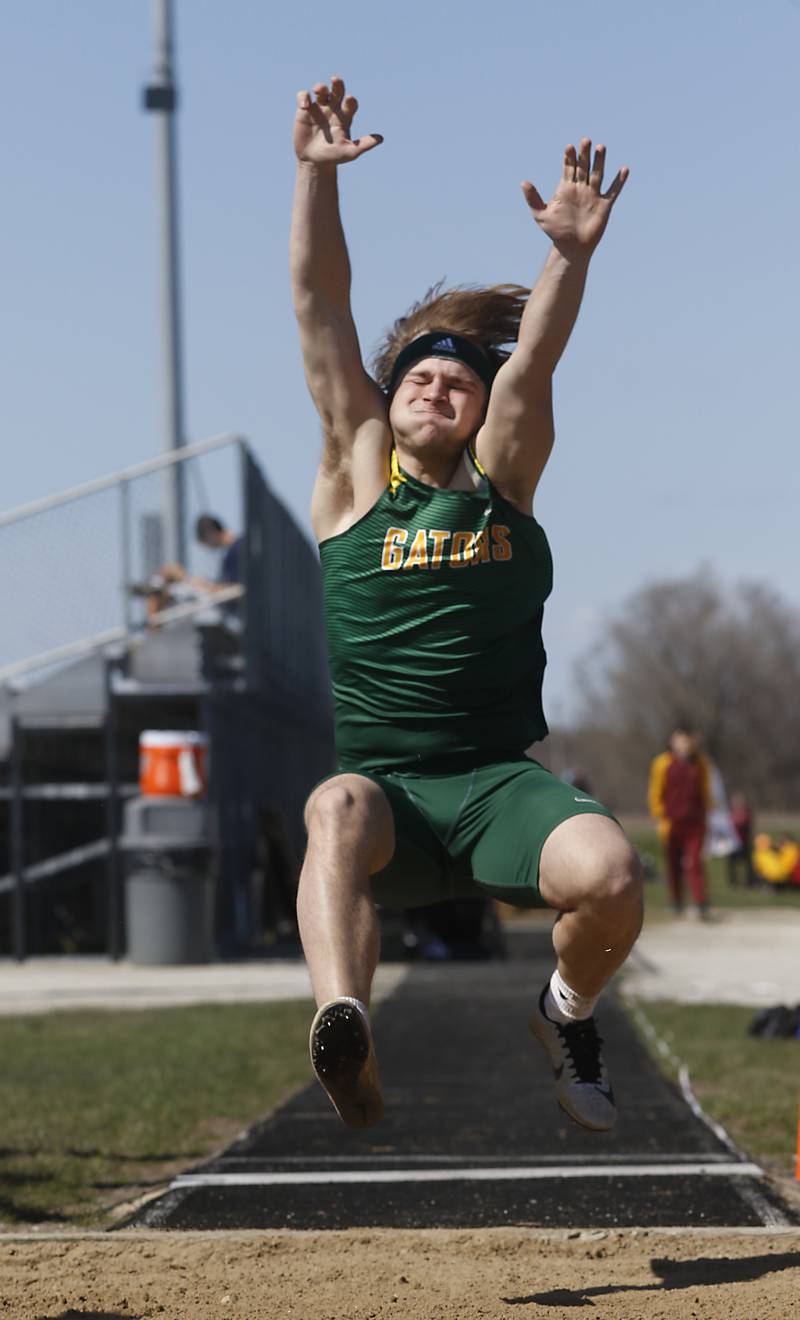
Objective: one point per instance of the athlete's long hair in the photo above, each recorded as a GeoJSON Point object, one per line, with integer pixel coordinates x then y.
{"type": "Point", "coordinates": [489, 316]}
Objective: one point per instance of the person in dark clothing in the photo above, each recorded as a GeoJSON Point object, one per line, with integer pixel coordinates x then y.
{"type": "Point", "coordinates": [274, 877]}
{"type": "Point", "coordinates": [172, 585]}
{"type": "Point", "coordinates": [742, 821]}
{"type": "Point", "coordinates": [214, 535]}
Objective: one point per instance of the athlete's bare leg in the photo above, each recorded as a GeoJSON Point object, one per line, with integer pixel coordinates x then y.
{"type": "Point", "coordinates": [590, 873]}
{"type": "Point", "coordinates": [350, 837]}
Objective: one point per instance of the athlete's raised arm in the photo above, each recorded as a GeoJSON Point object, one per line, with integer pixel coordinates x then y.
{"type": "Point", "coordinates": [350, 404]}
{"type": "Point", "coordinates": [517, 436]}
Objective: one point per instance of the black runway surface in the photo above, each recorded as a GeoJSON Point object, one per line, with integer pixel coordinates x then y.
{"type": "Point", "coordinates": [472, 1135]}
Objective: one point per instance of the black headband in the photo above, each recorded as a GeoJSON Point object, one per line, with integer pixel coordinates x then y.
{"type": "Point", "coordinates": [443, 344]}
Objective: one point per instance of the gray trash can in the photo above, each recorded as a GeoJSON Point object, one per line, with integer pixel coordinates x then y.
{"type": "Point", "coordinates": [169, 845]}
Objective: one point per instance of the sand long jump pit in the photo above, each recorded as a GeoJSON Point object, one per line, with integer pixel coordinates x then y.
{"type": "Point", "coordinates": [434, 1274]}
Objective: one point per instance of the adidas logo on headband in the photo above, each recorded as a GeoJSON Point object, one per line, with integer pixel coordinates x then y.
{"type": "Point", "coordinates": [436, 344]}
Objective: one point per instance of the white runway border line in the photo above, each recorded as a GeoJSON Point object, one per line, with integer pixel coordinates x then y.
{"type": "Point", "coordinates": [731, 1169]}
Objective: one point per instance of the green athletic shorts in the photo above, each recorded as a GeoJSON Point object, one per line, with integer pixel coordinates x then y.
{"type": "Point", "coordinates": [476, 832]}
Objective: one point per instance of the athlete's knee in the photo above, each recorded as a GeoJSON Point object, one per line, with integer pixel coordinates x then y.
{"type": "Point", "coordinates": [610, 877]}
{"type": "Point", "coordinates": [614, 878]}
{"type": "Point", "coordinates": [343, 799]}
{"type": "Point", "coordinates": [352, 806]}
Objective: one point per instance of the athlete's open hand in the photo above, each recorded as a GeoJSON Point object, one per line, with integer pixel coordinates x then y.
{"type": "Point", "coordinates": [322, 126]}
{"type": "Point", "coordinates": [577, 213]}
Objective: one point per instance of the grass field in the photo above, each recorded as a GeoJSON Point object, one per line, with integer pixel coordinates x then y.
{"type": "Point", "coordinates": [721, 894]}
{"type": "Point", "coordinates": [97, 1106]}
{"type": "Point", "coordinates": [750, 1085]}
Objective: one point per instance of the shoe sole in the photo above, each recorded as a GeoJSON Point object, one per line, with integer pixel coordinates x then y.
{"type": "Point", "coordinates": [540, 1034]}
{"type": "Point", "coordinates": [344, 1061]}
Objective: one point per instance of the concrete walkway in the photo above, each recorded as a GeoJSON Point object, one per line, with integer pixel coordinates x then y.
{"type": "Point", "coordinates": [42, 985]}
{"type": "Point", "coordinates": [741, 957]}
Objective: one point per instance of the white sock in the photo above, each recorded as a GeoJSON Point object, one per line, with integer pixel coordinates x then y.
{"type": "Point", "coordinates": [563, 1004]}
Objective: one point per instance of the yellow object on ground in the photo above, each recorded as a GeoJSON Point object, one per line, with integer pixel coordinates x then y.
{"type": "Point", "coordinates": [775, 862]}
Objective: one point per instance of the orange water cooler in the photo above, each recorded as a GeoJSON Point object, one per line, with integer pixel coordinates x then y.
{"type": "Point", "coordinates": [173, 764]}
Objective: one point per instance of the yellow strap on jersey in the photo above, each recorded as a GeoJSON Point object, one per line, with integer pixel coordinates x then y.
{"type": "Point", "coordinates": [396, 477]}
{"type": "Point", "coordinates": [479, 466]}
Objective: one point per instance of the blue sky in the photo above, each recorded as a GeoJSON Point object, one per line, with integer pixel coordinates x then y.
{"type": "Point", "coordinates": [676, 402]}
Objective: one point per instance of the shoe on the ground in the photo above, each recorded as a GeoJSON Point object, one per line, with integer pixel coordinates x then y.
{"type": "Point", "coordinates": [340, 1044]}
{"type": "Point", "coordinates": [582, 1086]}
{"type": "Point", "coordinates": [700, 912]}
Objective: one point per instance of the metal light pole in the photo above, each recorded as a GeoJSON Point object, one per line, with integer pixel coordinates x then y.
{"type": "Point", "coordinates": [160, 97]}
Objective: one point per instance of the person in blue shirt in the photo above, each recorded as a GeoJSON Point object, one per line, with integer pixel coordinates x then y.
{"type": "Point", "coordinates": [212, 533]}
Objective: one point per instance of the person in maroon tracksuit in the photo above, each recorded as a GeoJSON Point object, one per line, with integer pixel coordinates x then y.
{"type": "Point", "coordinates": [679, 796]}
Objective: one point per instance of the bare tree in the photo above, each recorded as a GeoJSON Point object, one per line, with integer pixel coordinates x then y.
{"type": "Point", "coordinates": [726, 662]}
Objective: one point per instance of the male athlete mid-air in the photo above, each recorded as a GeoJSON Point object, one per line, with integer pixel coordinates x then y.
{"type": "Point", "coordinates": [435, 574]}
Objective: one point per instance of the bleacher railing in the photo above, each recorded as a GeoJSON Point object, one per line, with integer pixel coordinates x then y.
{"type": "Point", "coordinates": [71, 562]}
{"type": "Point", "coordinates": [71, 574]}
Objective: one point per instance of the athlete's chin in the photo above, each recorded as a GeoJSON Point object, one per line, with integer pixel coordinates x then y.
{"type": "Point", "coordinates": [433, 427]}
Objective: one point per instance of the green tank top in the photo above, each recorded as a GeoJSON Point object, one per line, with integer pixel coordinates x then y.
{"type": "Point", "coordinates": [433, 609]}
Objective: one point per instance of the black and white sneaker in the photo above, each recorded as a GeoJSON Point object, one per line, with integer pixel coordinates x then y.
{"type": "Point", "coordinates": [582, 1086]}
{"type": "Point", "coordinates": [340, 1044]}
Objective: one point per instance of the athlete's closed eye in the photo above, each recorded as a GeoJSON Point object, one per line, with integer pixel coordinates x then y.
{"type": "Point", "coordinates": [461, 383]}
{"type": "Point", "coordinates": [458, 384]}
